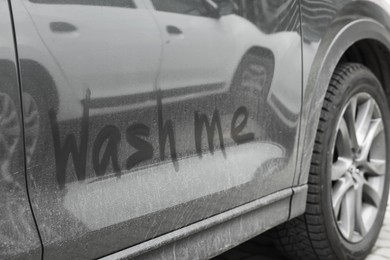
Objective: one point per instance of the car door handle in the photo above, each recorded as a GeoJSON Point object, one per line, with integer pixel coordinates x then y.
{"type": "Point", "coordinates": [174, 30]}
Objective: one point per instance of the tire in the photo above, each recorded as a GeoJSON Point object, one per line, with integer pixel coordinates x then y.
{"type": "Point", "coordinates": [343, 179]}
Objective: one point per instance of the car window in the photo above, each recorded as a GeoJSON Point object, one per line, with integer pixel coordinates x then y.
{"type": "Point", "coordinates": [113, 3]}
{"type": "Point", "coordinates": [189, 7]}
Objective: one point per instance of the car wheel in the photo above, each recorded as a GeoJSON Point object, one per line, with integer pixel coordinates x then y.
{"type": "Point", "coordinates": [349, 174]}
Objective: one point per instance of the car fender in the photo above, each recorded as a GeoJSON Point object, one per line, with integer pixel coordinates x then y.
{"type": "Point", "coordinates": [356, 21]}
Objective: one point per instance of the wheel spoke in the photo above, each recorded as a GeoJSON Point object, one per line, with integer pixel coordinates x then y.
{"type": "Point", "coordinates": [350, 119]}
{"type": "Point", "coordinates": [375, 128]}
{"type": "Point", "coordinates": [340, 167]}
{"type": "Point", "coordinates": [340, 189]}
{"type": "Point", "coordinates": [343, 141]}
{"type": "Point", "coordinates": [363, 120]}
{"type": "Point", "coordinates": [375, 167]}
{"type": "Point", "coordinates": [371, 195]}
{"type": "Point", "coordinates": [348, 211]}
{"type": "Point", "coordinates": [360, 226]}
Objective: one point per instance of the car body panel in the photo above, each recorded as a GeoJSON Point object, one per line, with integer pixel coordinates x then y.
{"type": "Point", "coordinates": [214, 235]}
{"type": "Point", "coordinates": [117, 170]}
{"type": "Point", "coordinates": [18, 234]}
{"type": "Point", "coordinates": [154, 140]}
{"type": "Point", "coordinates": [326, 38]}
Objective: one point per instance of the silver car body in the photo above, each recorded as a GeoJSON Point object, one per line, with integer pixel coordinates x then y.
{"type": "Point", "coordinates": [161, 134]}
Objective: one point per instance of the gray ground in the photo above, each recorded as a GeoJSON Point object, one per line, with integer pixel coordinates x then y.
{"type": "Point", "coordinates": [264, 250]}
{"type": "Point", "coordinates": [382, 247]}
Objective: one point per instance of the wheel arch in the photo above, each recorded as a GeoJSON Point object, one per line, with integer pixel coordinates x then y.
{"type": "Point", "coordinates": [363, 38]}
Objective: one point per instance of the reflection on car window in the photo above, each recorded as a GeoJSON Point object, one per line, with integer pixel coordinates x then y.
{"type": "Point", "coordinates": [189, 7]}
{"type": "Point", "coordinates": [113, 3]}
{"type": "Point", "coordinates": [270, 16]}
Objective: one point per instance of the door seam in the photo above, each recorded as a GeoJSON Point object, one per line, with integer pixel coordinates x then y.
{"type": "Point", "coordinates": [20, 92]}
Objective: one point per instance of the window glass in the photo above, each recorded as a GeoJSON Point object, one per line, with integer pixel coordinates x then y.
{"type": "Point", "coordinates": [189, 7]}
{"type": "Point", "coordinates": [113, 3]}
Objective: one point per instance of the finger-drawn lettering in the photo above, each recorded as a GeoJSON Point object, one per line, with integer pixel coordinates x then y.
{"type": "Point", "coordinates": [112, 136]}
{"type": "Point", "coordinates": [235, 129]}
{"type": "Point", "coordinates": [145, 149]}
{"type": "Point", "coordinates": [107, 142]}
{"type": "Point", "coordinates": [79, 155]}
{"type": "Point", "coordinates": [165, 131]}
{"type": "Point", "coordinates": [202, 121]}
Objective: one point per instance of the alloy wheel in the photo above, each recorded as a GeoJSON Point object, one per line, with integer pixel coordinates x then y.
{"type": "Point", "coordinates": [359, 166]}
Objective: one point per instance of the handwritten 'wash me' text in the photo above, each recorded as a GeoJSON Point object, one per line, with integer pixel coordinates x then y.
{"type": "Point", "coordinates": [106, 144]}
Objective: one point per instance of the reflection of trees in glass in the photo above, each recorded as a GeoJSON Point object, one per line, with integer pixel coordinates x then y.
{"type": "Point", "coordinates": [190, 7]}
{"type": "Point", "coordinates": [283, 15]}
{"type": "Point", "coordinates": [271, 15]}
{"type": "Point", "coordinates": [113, 3]}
